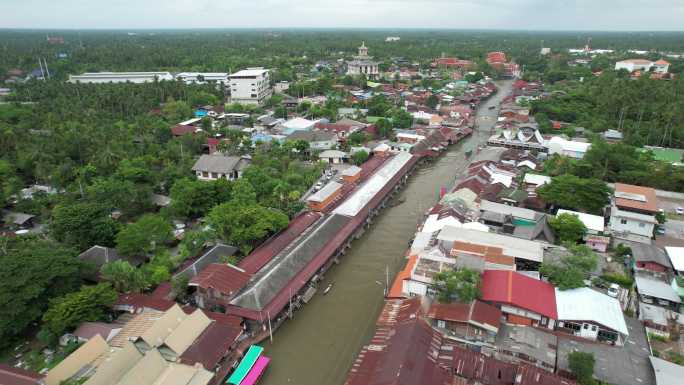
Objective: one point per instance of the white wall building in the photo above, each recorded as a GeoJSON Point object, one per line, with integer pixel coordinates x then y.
{"type": "Point", "coordinates": [631, 65]}
{"type": "Point", "coordinates": [363, 64]}
{"type": "Point", "coordinates": [571, 148]}
{"type": "Point", "coordinates": [203, 77]}
{"type": "Point", "coordinates": [120, 77]}
{"type": "Point", "coordinates": [250, 86]}
{"type": "Point", "coordinates": [217, 166]}
{"type": "Point", "coordinates": [632, 213]}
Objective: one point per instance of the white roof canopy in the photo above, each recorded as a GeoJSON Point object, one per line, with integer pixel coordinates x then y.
{"type": "Point", "coordinates": [585, 304]}
{"type": "Point", "coordinates": [676, 255]}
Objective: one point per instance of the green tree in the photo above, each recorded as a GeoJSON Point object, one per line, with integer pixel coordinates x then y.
{"type": "Point", "coordinates": [124, 277]}
{"type": "Point", "coordinates": [572, 269]}
{"type": "Point", "coordinates": [83, 225]}
{"type": "Point", "coordinates": [359, 157]}
{"type": "Point", "coordinates": [9, 183]}
{"type": "Point", "coordinates": [177, 111]}
{"type": "Point", "coordinates": [571, 192]}
{"type": "Point", "coordinates": [402, 119]}
{"type": "Point", "coordinates": [384, 127]}
{"type": "Point", "coordinates": [460, 285]}
{"type": "Point", "coordinates": [432, 101]}
{"type": "Point", "coordinates": [192, 198]}
{"type": "Point", "coordinates": [568, 228]}
{"type": "Point", "coordinates": [91, 303]}
{"type": "Point", "coordinates": [357, 138]}
{"type": "Point", "coordinates": [280, 112]}
{"type": "Point", "coordinates": [32, 271]}
{"type": "Point", "coordinates": [243, 225]}
{"type": "Point", "coordinates": [179, 287]}
{"type": "Point", "coordinates": [144, 236]}
{"type": "Point", "coordinates": [581, 365]}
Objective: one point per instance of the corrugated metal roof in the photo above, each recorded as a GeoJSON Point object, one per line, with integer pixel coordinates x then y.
{"type": "Point", "coordinates": [512, 246]}
{"type": "Point", "coordinates": [585, 304]}
{"type": "Point", "coordinates": [655, 288]}
{"type": "Point", "coordinates": [370, 188]}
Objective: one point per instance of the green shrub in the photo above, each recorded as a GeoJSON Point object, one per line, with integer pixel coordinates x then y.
{"type": "Point", "coordinates": [657, 337]}
{"type": "Point", "coordinates": [621, 279]}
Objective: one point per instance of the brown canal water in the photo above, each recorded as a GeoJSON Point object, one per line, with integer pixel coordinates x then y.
{"type": "Point", "coordinates": [320, 343]}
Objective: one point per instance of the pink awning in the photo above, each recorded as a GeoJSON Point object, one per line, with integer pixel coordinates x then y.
{"type": "Point", "coordinates": [257, 370]}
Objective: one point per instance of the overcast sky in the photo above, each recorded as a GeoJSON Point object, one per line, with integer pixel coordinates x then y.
{"type": "Point", "coordinates": [496, 14]}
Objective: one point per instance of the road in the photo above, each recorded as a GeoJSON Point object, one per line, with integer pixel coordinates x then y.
{"type": "Point", "coordinates": [319, 345]}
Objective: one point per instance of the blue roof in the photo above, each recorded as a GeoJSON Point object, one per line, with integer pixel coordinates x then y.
{"type": "Point", "coordinates": [261, 138]}
{"type": "Point", "coordinates": [200, 113]}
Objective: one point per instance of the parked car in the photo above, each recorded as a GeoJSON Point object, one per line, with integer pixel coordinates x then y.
{"type": "Point", "coordinates": [660, 230]}
{"type": "Point", "coordinates": [679, 210]}
{"type": "Point", "coordinates": [613, 290]}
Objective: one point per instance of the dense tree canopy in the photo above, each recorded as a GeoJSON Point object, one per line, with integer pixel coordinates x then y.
{"type": "Point", "coordinates": [90, 303]}
{"type": "Point", "coordinates": [620, 163]}
{"type": "Point", "coordinates": [82, 225]}
{"type": "Point", "coordinates": [457, 285]}
{"type": "Point", "coordinates": [568, 228]}
{"type": "Point", "coordinates": [574, 193]}
{"type": "Point", "coordinates": [144, 236]}
{"type": "Point", "coordinates": [243, 225]}
{"type": "Point", "coordinates": [33, 271]}
{"type": "Point", "coordinates": [571, 270]}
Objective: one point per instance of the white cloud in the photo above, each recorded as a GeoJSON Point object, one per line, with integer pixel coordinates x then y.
{"type": "Point", "coordinates": [500, 14]}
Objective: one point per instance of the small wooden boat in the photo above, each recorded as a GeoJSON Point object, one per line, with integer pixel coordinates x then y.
{"type": "Point", "coordinates": [492, 107]}
{"type": "Point", "coordinates": [327, 289]}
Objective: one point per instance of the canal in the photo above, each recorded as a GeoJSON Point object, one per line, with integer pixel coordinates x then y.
{"type": "Point", "coordinates": [318, 346]}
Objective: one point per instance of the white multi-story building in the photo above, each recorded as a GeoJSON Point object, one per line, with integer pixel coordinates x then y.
{"type": "Point", "coordinates": [250, 86]}
{"type": "Point", "coordinates": [363, 64]}
{"type": "Point", "coordinates": [120, 77]}
{"type": "Point", "coordinates": [632, 214]}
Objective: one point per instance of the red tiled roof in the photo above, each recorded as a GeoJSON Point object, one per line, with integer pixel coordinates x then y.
{"type": "Point", "coordinates": [211, 346]}
{"type": "Point", "coordinates": [485, 313]}
{"type": "Point", "coordinates": [478, 368]}
{"type": "Point", "coordinates": [15, 376]}
{"type": "Point", "coordinates": [397, 289]}
{"type": "Point", "coordinates": [88, 330]}
{"type": "Point", "coordinates": [476, 311]}
{"type": "Point", "coordinates": [337, 127]}
{"type": "Point", "coordinates": [224, 278]}
{"type": "Point", "coordinates": [135, 302]}
{"type": "Point", "coordinates": [180, 130]}
{"type": "Point", "coordinates": [483, 369]}
{"type": "Point", "coordinates": [455, 312]}
{"type": "Point", "coordinates": [508, 287]}
{"type": "Point", "coordinates": [225, 319]}
{"type": "Point", "coordinates": [163, 290]}
{"type": "Point", "coordinates": [650, 205]}
{"type": "Point", "coordinates": [496, 57]}
{"type": "Point", "coordinates": [264, 253]}
{"type": "Point", "coordinates": [388, 361]}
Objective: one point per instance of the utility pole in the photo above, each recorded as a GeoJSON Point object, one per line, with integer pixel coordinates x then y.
{"type": "Point", "coordinates": [386, 280]}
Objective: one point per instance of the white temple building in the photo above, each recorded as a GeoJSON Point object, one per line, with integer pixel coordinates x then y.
{"type": "Point", "coordinates": [363, 64]}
